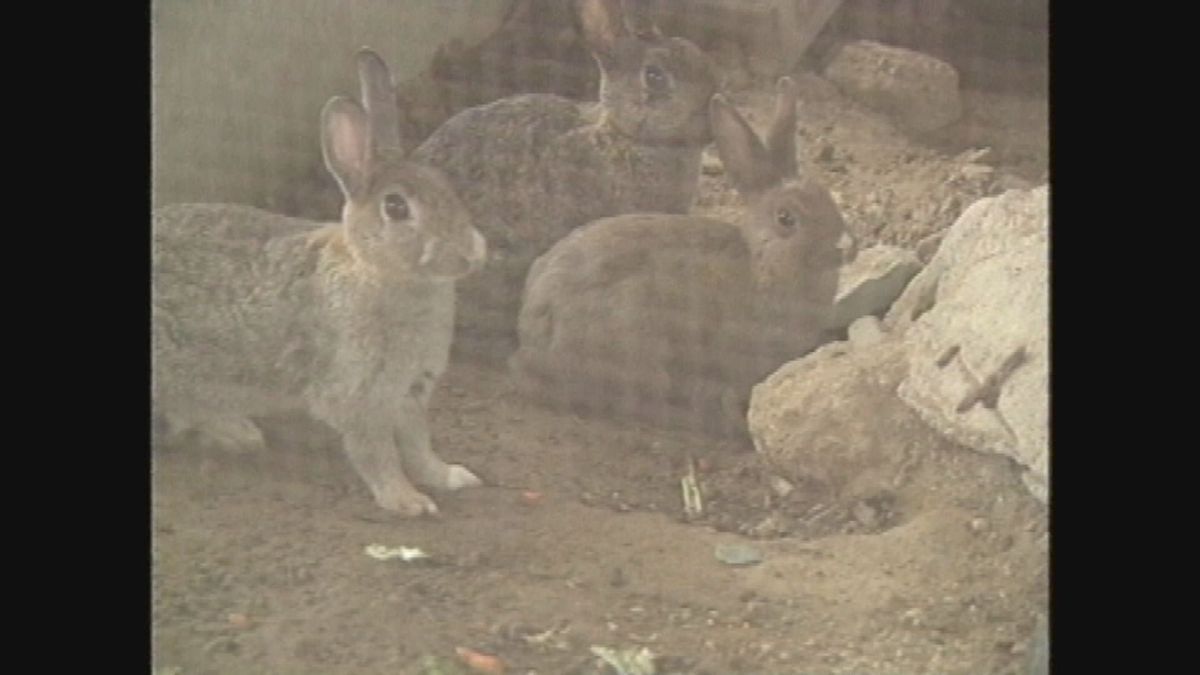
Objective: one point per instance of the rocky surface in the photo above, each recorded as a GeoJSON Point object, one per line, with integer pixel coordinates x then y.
{"type": "Point", "coordinates": [871, 283]}
{"type": "Point", "coordinates": [979, 334]}
{"type": "Point", "coordinates": [919, 92]}
{"type": "Point", "coordinates": [580, 538]}
{"type": "Point", "coordinates": [963, 353]}
{"type": "Point", "coordinates": [833, 418]}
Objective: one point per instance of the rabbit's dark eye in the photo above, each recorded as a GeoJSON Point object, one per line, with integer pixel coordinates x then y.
{"type": "Point", "coordinates": [786, 220]}
{"type": "Point", "coordinates": [395, 207]}
{"type": "Point", "coordinates": [655, 78]}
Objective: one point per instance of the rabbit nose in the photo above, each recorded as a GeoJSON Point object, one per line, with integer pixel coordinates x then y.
{"type": "Point", "coordinates": [848, 246]}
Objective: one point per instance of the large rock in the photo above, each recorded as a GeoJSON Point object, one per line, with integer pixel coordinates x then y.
{"type": "Point", "coordinates": [962, 356]}
{"type": "Point", "coordinates": [976, 325]}
{"type": "Point", "coordinates": [871, 283]}
{"type": "Point", "coordinates": [238, 88]}
{"type": "Point", "coordinates": [833, 417]}
{"type": "Point", "coordinates": [918, 91]}
{"type": "Point", "coordinates": [985, 228]}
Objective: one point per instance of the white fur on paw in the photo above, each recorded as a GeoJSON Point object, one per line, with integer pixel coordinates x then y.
{"type": "Point", "coordinates": [408, 503]}
{"type": "Point", "coordinates": [460, 477]}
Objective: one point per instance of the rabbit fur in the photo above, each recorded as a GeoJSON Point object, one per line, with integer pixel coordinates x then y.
{"type": "Point", "coordinates": [255, 313]}
{"type": "Point", "coordinates": [671, 319]}
{"type": "Point", "coordinates": [533, 167]}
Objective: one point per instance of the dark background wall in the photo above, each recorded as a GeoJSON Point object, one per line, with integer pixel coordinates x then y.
{"type": "Point", "coordinates": [238, 86]}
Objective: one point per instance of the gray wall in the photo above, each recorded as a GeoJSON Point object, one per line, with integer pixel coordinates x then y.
{"type": "Point", "coordinates": [237, 87]}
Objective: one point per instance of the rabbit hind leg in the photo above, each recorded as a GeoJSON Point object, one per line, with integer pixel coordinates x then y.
{"type": "Point", "coordinates": [211, 432]}
{"type": "Point", "coordinates": [213, 414]}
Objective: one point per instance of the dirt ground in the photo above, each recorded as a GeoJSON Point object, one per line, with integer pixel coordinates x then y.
{"type": "Point", "coordinates": [259, 562]}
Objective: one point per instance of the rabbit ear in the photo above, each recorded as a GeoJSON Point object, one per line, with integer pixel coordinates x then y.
{"type": "Point", "coordinates": [781, 137]}
{"type": "Point", "coordinates": [747, 161]}
{"type": "Point", "coordinates": [639, 19]}
{"type": "Point", "coordinates": [379, 97]}
{"type": "Point", "coordinates": [602, 24]}
{"type": "Point", "coordinates": [346, 143]}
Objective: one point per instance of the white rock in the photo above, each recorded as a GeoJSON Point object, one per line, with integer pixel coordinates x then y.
{"type": "Point", "coordinates": [865, 331]}
{"type": "Point", "coordinates": [962, 358]}
{"type": "Point", "coordinates": [927, 247]}
{"type": "Point", "coordinates": [976, 325]}
{"type": "Point", "coordinates": [871, 283]}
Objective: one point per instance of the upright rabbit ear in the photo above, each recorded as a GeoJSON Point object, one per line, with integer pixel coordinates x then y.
{"type": "Point", "coordinates": [639, 19]}
{"type": "Point", "coordinates": [379, 97]}
{"type": "Point", "coordinates": [602, 23]}
{"type": "Point", "coordinates": [747, 161]}
{"type": "Point", "coordinates": [781, 137]}
{"type": "Point", "coordinates": [346, 143]}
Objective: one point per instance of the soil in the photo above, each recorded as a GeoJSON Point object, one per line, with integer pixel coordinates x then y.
{"type": "Point", "coordinates": [259, 563]}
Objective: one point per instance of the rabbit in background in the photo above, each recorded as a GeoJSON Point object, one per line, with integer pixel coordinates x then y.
{"type": "Point", "coordinates": [532, 167]}
{"type": "Point", "coordinates": [255, 313]}
{"type": "Point", "coordinates": [672, 319]}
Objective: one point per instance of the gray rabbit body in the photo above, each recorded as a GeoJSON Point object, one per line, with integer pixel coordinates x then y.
{"type": "Point", "coordinates": [255, 313]}
{"type": "Point", "coordinates": [672, 319]}
{"type": "Point", "coordinates": [533, 167]}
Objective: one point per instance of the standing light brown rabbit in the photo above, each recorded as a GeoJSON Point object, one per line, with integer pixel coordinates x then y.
{"type": "Point", "coordinates": [672, 319]}
{"type": "Point", "coordinates": [533, 167]}
{"type": "Point", "coordinates": [256, 313]}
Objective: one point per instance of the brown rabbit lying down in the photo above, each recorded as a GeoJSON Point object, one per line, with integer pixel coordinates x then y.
{"type": "Point", "coordinates": [533, 167]}
{"type": "Point", "coordinates": [672, 319]}
{"type": "Point", "coordinates": [256, 313]}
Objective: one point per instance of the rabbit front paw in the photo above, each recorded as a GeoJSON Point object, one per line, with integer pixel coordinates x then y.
{"type": "Point", "coordinates": [406, 501]}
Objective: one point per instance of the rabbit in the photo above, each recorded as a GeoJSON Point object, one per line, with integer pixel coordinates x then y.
{"type": "Point", "coordinates": [255, 313]}
{"type": "Point", "coordinates": [532, 167]}
{"type": "Point", "coordinates": [671, 319]}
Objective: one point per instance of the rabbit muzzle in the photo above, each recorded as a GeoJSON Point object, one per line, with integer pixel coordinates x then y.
{"type": "Point", "coordinates": [453, 259]}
